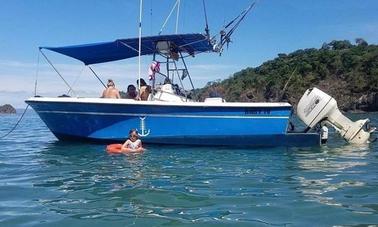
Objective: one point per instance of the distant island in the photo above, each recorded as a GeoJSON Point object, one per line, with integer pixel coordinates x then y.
{"type": "Point", "coordinates": [346, 71]}
{"type": "Point", "coordinates": [7, 109]}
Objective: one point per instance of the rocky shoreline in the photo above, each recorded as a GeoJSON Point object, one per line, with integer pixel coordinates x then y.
{"type": "Point", "coordinates": [368, 103]}
{"type": "Point", "coordinates": [7, 109]}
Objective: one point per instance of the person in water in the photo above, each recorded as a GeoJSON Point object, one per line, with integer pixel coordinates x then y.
{"type": "Point", "coordinates": [133, 143]}
{"type": "Point", "coordinates": [324, 134]}
{"type": "Point", "coordinates": [111, 91]}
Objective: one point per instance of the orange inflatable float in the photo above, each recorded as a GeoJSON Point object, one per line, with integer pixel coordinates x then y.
{"type": "Point", "coordinates": [114, 148]}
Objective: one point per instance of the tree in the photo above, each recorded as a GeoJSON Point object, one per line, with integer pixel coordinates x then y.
{"type": "Point", "coordinates": [340, 45]}
{"type": "Point", "coordinates": [340, 68]}
{"type": "Point", "coordinates": [361, 42]}
{"type": "Point", "coordinates": [325, 46]}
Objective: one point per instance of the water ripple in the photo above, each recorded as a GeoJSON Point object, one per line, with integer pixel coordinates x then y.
{"type": "Point", "coordinates": [45, 182]}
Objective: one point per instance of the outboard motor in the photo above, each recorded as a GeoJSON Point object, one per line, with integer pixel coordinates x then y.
{"type": "Point", "coordinates": [316, 106]}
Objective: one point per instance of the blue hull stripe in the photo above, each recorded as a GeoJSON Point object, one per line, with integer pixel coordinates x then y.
{"type": "Point", "coordinates": [161, 115]}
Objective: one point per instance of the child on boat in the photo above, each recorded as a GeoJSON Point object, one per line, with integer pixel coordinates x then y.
{"type": "Point", "coordinates": [133, 144]}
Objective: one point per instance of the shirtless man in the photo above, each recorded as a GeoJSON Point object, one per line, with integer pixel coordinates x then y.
{"type": "Point", "coordinates": [111, 91]}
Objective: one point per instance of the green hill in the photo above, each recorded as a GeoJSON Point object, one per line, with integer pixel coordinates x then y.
{"type": "Point", "coordinates": [346, 71]}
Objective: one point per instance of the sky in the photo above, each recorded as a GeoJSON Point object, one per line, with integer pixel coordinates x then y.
{"type": "Point", "coordinates": [273, 27]}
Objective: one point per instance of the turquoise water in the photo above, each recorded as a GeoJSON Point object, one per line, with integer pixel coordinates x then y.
{"type": "Point", "coordinates": [44, 182]}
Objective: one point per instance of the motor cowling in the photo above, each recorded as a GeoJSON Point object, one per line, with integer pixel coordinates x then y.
{"type": "Point", "coordinates": [316, 106]}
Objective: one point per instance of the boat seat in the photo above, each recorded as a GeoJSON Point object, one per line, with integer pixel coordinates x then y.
{"type": "Point", "coordinates": [215, 100]}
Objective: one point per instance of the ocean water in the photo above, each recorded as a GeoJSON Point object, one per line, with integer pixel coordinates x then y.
{"type": "Point", "coordinates": [44, 182]}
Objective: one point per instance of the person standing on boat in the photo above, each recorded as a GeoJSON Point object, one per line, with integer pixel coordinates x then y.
{"type": "Point", "coordinates": [111, 91]}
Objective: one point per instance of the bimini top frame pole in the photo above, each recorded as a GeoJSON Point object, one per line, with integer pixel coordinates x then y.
{"type": "Point", "coordinates": [60, 75]}
{"type": "Point", "coordinates": [56, 70]}
{"type": "Point", "coordinates": [187, 71]}
{"type": "Point", "coordinates": [95, 74]}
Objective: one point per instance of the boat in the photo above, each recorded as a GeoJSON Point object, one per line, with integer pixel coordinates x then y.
{"type": "Point", "coordinates": [170, 115]}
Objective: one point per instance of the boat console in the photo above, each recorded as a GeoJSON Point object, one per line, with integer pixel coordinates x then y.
{"type": "Point", "coordinates": [168, 93]}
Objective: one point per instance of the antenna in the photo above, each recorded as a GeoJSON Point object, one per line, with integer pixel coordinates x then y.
{"type": "Point", "coordinates": [207, 31]}
{"type": "Point", "coordinates": [178, 14]}
{"type": "Point", "coordinates": [169, 15]}
{"type": "Point", "coordinates": [140, 40]}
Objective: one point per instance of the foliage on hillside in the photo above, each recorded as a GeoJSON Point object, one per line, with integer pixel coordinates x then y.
{"type": "Point", "coordinates": [346, 71]}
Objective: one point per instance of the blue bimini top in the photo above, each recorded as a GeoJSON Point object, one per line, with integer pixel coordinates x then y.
{"type": "Point", "coordinates": [128, 48]}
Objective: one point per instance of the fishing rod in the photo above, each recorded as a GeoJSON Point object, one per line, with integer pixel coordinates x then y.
{"type": "Point", "coordinates": [207, 30]}
{"type": "Point", "coordinates": [228, 30]}
{"type": "Point", "coordinates": [287, 83]}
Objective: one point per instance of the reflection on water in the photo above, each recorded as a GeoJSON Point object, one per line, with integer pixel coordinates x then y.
{"type": "Point", "coordinates": [331, 170]}
{"type": "Point", "coordinates": [164, 184]}
{"type": "Point", "coordinates": [84, 173]}
{"type": "Point", "coordinates": [334, 159]}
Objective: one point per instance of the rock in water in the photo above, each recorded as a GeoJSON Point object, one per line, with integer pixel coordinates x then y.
{"type": "Point", "coordinates": [368, 102]}
{"type": "Point", "coordinates": [7, 109]}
